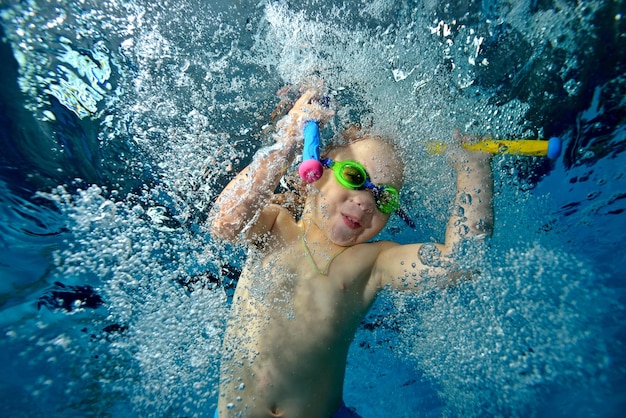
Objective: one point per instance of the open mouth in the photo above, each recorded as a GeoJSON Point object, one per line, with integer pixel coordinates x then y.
{"type": "Point", "coordinates": [351, 222]}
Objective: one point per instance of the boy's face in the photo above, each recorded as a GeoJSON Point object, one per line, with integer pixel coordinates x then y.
{"type": "Point", "coordinates": [351, 217]}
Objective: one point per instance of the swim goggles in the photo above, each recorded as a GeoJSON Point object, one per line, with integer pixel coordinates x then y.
{"type": "Point", "coordinates": [352, 175]}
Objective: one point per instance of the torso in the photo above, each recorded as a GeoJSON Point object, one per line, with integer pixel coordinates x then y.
{"type": "Point", "coordinates": [286, 345]}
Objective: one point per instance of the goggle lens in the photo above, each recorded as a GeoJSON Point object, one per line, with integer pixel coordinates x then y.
{"type": "Point", "coordinates": [387, 199]}
{"type": "Point", "coordinates": [351, 176]}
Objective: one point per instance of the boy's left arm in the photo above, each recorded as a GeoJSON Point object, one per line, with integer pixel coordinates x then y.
{"type": "Point", "coordinates": [472, 213]}
{"type": "Point", "coordinates": [411, 266]}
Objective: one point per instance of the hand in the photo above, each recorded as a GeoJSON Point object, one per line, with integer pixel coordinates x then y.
{"type": "Point", "coordinates": [305, 109]}
{"type": "Point", "coordinates": [462, 158]}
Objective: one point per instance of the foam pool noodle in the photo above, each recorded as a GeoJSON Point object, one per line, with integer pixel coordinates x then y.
{"type": "Point", "coordinates": [529, 147]}
{"type": "Point", "coordinates": [311, 169]}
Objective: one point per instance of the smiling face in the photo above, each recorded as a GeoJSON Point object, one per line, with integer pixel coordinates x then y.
{"type": "Point", "coordinates": [349, 217]}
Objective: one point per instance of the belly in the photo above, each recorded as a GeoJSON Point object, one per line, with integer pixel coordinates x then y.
{"type": "Point", "coordinates": [286, 344]}
{"type": "Point", "coordinates": [291, 367]}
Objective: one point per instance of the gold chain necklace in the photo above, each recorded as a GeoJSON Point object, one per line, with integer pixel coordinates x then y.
{"type": "Point", "coordinates": [323, 272]}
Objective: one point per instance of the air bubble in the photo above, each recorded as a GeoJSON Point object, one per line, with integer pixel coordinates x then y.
{"type": "Point", "coordinates": [465, 198]}
{"type": "Point", "coordinates": [429, 255]}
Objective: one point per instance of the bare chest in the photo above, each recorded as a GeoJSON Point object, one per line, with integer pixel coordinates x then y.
{"type": "Point", "coordinates": [285, 291]}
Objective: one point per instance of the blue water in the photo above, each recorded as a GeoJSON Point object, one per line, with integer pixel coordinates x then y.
{"type": "Point", "coordinates": [122, 120]}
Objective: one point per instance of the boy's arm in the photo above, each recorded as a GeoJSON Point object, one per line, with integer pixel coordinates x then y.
{"type": "Point", "coordinates": [410, 266]}
{"type": "Point", "coordinates": [243, 206]}
{"type": "Point", "coordinates": [472, 213]}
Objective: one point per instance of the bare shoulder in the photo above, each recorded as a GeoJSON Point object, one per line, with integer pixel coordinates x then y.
{"type": "Point", "coordinates": [274, 221]}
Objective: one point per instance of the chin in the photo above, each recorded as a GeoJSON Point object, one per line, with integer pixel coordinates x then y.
{"type": "Point", "coordinates": [346, 238]}
{"type": "Point", "coordinates": [343, 238]}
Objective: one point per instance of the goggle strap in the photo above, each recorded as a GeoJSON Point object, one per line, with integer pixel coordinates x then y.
{"type": "Point", "coordinates": [403, 215]}
{"type": "Point", "coordinates": [369, 185]}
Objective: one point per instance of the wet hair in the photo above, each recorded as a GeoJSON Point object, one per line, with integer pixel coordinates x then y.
{"type": "Point", "coordinates": [354, 133]}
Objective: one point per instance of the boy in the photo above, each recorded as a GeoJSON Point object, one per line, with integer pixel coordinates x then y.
{"type": "Point", "coordinates": [308, 283]}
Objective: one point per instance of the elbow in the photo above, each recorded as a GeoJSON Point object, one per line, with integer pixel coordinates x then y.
{"type": "Point", "coordinates": [220, 232]}
{"type": "Point", "coordinates": [224, 229]}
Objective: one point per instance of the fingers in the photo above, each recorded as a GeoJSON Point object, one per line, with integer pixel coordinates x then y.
{"type": "Point", "coordinates": [307, 108]}
{"type": "Point", "coordinates": [461, 157]}
{"type": "Point", "coordinates": [306, 103]}
{"type": "Point", "coordinates": [307, 96]}
{"type": "Point", "coordinates": [288, 102]}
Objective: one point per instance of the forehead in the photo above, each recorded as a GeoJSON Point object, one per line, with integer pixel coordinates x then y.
{"type": "Point", "coordinates": [379, 158]}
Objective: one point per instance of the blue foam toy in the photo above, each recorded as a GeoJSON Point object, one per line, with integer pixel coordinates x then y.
{"type": "Point", "coordinates": [311, 169]}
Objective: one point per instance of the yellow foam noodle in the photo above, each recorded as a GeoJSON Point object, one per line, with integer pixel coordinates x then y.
{"type": "Point", "coordinates": [530, 147]}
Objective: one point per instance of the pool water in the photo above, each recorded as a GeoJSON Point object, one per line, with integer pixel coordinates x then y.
{"type": "Point", "coordinates": [123, 120]}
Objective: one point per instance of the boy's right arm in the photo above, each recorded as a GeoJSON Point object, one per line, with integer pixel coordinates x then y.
{"type": "Point", "coordinates": [243, 206]}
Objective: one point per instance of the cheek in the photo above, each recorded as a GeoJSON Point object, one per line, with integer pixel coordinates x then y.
{"type": "Point", "coordinates": [322, 203]}
{"type": "Point", "coordinates": [379, 221]}
{"type": "Point", "coordinates": [329, 194]}
{"type": "Point", "coordinates": [376, 226]}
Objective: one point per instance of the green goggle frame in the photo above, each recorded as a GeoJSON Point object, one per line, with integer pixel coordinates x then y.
{"type": "Point", "coordinates": [352, 175]}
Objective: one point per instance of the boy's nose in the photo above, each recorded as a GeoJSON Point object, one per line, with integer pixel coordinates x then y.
{"type": "Point", "coordinates": [364, 200]}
